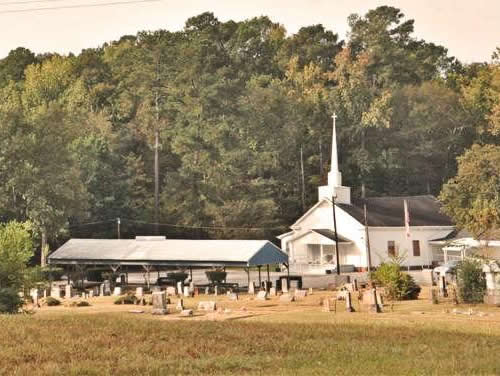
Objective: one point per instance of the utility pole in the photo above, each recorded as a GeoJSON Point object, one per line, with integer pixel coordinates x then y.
{"type": "Point", "coordinates": [367, 236]}
{"type": "Point", "coordinates": [118, 227]}
{"type": "Point", "coordinates": [336, 235]}
{"type": "Point", "coordinates": [302, 179]}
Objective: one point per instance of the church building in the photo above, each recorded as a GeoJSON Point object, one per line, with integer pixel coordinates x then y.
{"type": "Point", "coordinates": [369, 230]}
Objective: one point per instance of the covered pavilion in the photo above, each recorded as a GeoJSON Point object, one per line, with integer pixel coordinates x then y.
{"type": "Point", "coordinates": [156, 253]}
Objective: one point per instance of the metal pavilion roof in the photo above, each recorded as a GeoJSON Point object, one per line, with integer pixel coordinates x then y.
{"type": "Point", "coordinates": [174, 252]}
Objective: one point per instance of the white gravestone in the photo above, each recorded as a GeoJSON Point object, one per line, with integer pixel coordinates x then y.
{"type": "Point", "coordinates": [207, 306]}
{"type": "Point", "coordinates": [55, 292]}
{"type": "Point", "coordinates": [117, 291]}
{"type": "Point", "coordinates": [179, 288]}
{"type": "Point", "coordinates": [68, 292]}
{"type": "Point", "coordinates": [139, 292]}
{"type": "Point", "coordinates": [272, 291]}
{"type": "Point", "coordinates": [180, 305]}
{"type": "Point", "coordinates": [251, 288]}
{"type": "Point", "coordinates": [186, 292]}
{"type": "Point", "coordinates": [284, 285]}
{"type": "Point", "coordinates": [262, 295]}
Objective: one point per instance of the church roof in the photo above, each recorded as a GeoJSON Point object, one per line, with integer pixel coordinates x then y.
{"type": "Point", "coordinates": [389, 211]}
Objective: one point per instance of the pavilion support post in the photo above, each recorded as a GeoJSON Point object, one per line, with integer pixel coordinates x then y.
{"type": "Point", "coordinates": [260, 280]}
{"type": "Point", "coordinates": [268, 279]}
{"type": "Point", "coordinates": [147, 268]}
{"type": "Point", "coordinates": [247, 270]}
{"type": "Point", "coordinates": [126, 276]}
{"type": "Point", "coordinates": [191, 273]}
{"type": "Point", "coordinates": [287, 275]}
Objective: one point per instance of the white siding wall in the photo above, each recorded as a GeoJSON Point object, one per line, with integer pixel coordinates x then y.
{"type": "Point", "coordinates": [379, 236]}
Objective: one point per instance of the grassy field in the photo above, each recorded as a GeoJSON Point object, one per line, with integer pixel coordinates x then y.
{"type": "Point", "coordinates": [299, 342]}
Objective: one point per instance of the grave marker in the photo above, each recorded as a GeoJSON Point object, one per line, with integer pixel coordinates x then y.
{"type": "Point", "coordinates": [159, 303]}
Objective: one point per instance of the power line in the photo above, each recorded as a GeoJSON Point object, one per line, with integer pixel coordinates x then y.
{"type": "Point", "coordinates": [10, 11]}
{"type": "Point", "coordinates": [206, 227]}
{"type": "Point", "coordinates": [28, 2]}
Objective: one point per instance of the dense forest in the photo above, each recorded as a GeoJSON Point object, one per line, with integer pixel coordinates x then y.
{"type": "Point", "coordinates": [226, 126]}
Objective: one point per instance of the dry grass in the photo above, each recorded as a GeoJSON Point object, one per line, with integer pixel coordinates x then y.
{"type": "Point", "coordinates": [299, 339]}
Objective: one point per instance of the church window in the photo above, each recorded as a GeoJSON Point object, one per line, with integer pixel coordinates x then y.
{"type": "Point", "coordinates": [391, 248]}
{"type": "Point", "coordinates": [416, 248]}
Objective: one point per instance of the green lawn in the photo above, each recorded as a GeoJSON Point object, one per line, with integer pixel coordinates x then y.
{"type": "Point", "coordinates": [125, 344]}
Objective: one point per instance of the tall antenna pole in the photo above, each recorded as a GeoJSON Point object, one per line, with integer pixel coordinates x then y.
{"type": "Point", "coordinates": [118, 227]}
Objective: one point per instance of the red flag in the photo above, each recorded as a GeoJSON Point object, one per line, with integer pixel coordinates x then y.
{"type": "Point", "coordinates": [407, 219]}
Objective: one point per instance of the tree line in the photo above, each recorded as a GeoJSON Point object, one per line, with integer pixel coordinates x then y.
{"type": "Point", "coordinates": [228, 124]}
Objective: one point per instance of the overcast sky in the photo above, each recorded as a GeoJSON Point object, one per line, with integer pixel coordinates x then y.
{"type": "Point", "coordinates": [469, 29]}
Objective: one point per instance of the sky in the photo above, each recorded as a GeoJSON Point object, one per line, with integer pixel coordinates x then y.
{"type": "Point", "coordinates": [469, 29]}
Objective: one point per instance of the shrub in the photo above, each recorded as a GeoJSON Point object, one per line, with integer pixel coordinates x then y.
{"type": "Point", "coordinates": [51, 302]}
{"type": "Point", "coordinates": [398, 285]}
{"type": "Point", "coordinates": [10, 301]}
{"type": "Point", "coordinates": [82, 303]}
{"type": "Point", "coordinates": [470, 281]}
{"type": "Point", "coordinates": [126, 299]}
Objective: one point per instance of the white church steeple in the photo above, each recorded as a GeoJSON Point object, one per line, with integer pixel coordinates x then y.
{"type": "Point", "coordinates": [334, 187]}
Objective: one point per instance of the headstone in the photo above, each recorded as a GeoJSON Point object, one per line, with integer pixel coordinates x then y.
{"type": "Point", "coordinates": [187, 312]}
{"type": "Point", "coordinates": [284, 285]}
{"type": "Point", "coordinates": [180, 305]}
{"type": "Point", "coordinates": [107, 287]}
{"type": "Point", "coordinates": [370, 299]}
{"type": "Point", "coordinates": [326, 305]}
{"type": "Point", "coordinates": [191, 287]}
{"type": "Point", "coordinates": [117, 291]}
{"type": "Point", "coordinates": [101, 289]}
{"type": "Point", "coordinates": [442, 286]}
{"type": "Point", "coordinates": [492, 274]}
{"type": "Point", "coordinates": [55, 292]}
{"type": "Point", "coordinates": [251, 288]}
{"type": "Point", "coordinates": [91, 293]}
{"type": "Point", "coordinates": [34, 296]}
{"type": "Point", "coordinates": [207, 306]}
{"type": "Point", "coordinates": [207, 291]}
{"type": "Point", "coordinates": [233, 296]}
{"type": "Point", "coordinates": [287, 298]}
{"type": "Point", "coordinates": [272, 291]}
{"type": "Point", "coordinates": [139, 292]}
{"type": "Point", "coordinates": [310, 290]}
{"type": "Point", "coordinates": [216, 290]}
{"type": "Point", "coordinates": [300, 294]}
{"type": "Point", "coordinates": [262, 295]}
{"type": "Point", "coordinates": [186, 292]}
{"type": "Point", "coordinates": [380, 299]}
{"type": "Point", "coordinates": [68, 292]}
{"type": "Point", "coordinates": [159, 303]}
{"type": "Point", "coordinates": [434, 296]}
{"type": "Point", "coordinates": [44, 293]}
{"type": "Point", "coordinates": [179, 288]}
{"type": "Point", "coordinates": [348, 302]}
{"type": "Point", "coordinates": [170, 291]}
